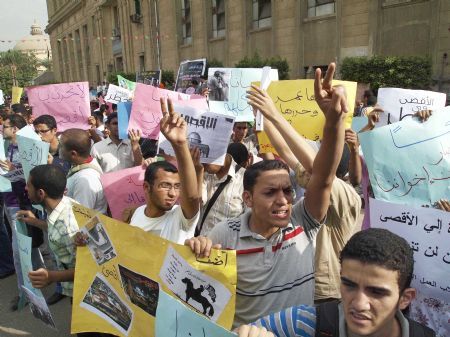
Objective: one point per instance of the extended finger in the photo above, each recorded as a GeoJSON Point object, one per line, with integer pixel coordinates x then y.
{"type": "Point", "coordinates": [318, 83]}
{"type": "Point", "coordinates": [171, 110]}
{"type": "Point", "coordinates": [162, 101]}
{"type": "Point", "coordinates": [328, 80]}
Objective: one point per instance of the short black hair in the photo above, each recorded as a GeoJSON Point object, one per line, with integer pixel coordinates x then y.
{"type": "Point", "coordinates": [77, 140]}
{"type": "Point", "coordinates": [383, 248]}
{"type": "Point", "coordinates": [48, 120]}
{"type": "Point", "coordinates": [153, 168]}
{"type": "Point", "coordinates": [97, 115]}
{"type": "Point", "coordinates": [371, 100]}
{"type": "Point", "coordinates": [18, 108]}
{"type": "Point", "coordinates": [16, 121]}
{"type": "Point", "coordinates": [110, 117]}
{"type": "Point", "coordinates": [239, 153]}
{"type": "Point", "coordinates": [252, 172]}
{"type": "Point", "coordinates": [50, 178]}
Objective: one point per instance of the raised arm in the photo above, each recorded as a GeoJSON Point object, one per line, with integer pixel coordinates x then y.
{"type": "Point", "coordinates": [174, 128]}
{"type": "Point", "coordinates": [354, 165]}
{"type": "Point", "coordinates": [259, 99]}
{"type": "Point", "coordinates": [332, 102]}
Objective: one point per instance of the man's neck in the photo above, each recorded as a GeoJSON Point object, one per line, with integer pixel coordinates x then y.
{"type": "Point", "coordinates": [54, 145]}
{"type": "Point", "coordinates": [266, 232]}
{"type": "Point", "coordinates": [81, 160]}
{"type": "Point", "coordinates": [115, 139]}
{"type": "Point", "coordinates": [51, 204]}
{"type": "Point", "coordinates": [153, 212]}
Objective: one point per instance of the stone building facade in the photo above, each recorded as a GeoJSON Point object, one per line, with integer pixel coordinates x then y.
{"type": "Point", "coordinates": [92, 38]}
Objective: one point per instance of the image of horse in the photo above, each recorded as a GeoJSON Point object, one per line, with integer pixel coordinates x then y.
{"type": "Point", "coordinates": [196, 295]}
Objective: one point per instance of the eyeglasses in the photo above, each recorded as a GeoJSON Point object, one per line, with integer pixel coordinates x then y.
{"type": "Point", "coordinates": [7, 126]}
{"type": "Point", "coordinates": [169, 186]}
{"type": "Point", "coordinates": [41, 131]}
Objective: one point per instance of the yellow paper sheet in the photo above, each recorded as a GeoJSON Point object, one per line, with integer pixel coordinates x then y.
{"type": "Point", "coordinates": [16, 94]}
{"type": "Point", "coordinates": [294, 99]}
{"type": "Point", "coordinates": [144, 254]}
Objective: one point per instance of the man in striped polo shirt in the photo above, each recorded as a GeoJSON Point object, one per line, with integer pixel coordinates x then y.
{"type": "Point", "coordinates": [274, 239]}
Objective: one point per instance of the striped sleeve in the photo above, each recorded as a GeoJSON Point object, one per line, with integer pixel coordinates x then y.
{"type": "Point", "coordinates": [292, 322]}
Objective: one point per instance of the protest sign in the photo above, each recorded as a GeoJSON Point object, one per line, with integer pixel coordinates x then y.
{"type": "Point", "coordinates": [123, 118]}
{"type": "Point", "coordinates": [32, 153]}
{"type": "Point", "coordinates": [228, 89]}
{"type": "Point", "coordinates": [35, 298]}
{"type": "Point", "coordinates": [358, 123]}
{"type": "Point", "coordinates": [173, 318]}
{"type": "Point", "coordinates": [203, 132]}
{"type": "Point", "coordinates": [126, 84]}
{"type": "Point", "coordinates": [124, 189]}
{"type": "Point", "coordinates": [400, 103]}
{"type": "Point", "coordinates": [146, 109]}
{"type": "Point", "coordinates": [414, 166]}
{"type": "Point", "coordinates": [2, 100]}
{"type": "Point", "coordinates": [150, 77]}
{"type": "Point", "coordinates": [190, 70]}
{"type": "Point", "coordinates": [67, 102]}
{"type": "Point", "coordinates": [117, 94]}
{"type": "Point", "coordinates": [16, 95]}
{"type": "Point", "coordinates": [294, 99]}
{"type": "Point", "coordinates": [427, 230]}
{"type": "Point", "coordinates": [119, 274]}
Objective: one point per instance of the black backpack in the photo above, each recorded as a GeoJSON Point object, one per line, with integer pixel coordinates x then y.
{"type": "Point", "coordinates": [327, 322]}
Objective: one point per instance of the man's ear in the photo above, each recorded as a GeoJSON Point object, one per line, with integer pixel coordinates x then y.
{"type": "Point", "coordinates": [147, 187]}
{"type": "Point", "coordinates": [248, 198]}
{"type": "Point", "coordinates": [406, 298]}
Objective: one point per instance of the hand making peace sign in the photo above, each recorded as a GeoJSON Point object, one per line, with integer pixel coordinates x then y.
{"type": "Point", "coordinates": [173, 126]}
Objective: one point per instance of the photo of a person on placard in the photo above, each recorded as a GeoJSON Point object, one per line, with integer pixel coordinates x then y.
{"type": "Point", "coordinates": [218, 87]}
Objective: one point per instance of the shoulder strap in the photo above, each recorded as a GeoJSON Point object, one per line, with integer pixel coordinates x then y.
{"type": "Point", "coordinates": [327, 319]}
{"type": "Point", "coordinates": [211, 203]}
{"type": "Point", "coordinates": [419, 330]}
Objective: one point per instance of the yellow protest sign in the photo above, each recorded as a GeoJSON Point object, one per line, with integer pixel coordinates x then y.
{"type": "Point", "coordinates": [119, 273]}
{"type": "Point", "coordinates": [294, 99]}
{"type": "Point", "coordinates": [16, 94]}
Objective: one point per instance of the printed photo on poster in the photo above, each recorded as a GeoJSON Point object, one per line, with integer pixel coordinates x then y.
{"type": "Point", "coordinates": [141, 290]}
{"type": "Point", "coordinates": [39, 308]}
{"type": "Point", "coordinates": [102, 300]}
{"type": "Point", "coordinates": [201, 292]}
{"type": "Point", "coordinates": [218, 84]}
{"type": "Point", "coordinates": [99, 243]}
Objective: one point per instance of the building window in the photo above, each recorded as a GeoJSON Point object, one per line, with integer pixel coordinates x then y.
{"type": "Point", "coordinates": [94, 28]}
{"type": "Point", "coordinates": [141, 63]}
{"type": "Point", "coordinates": [137, 7]}
{"type": "Point", "coordinates": [262, 13]}
{"type": "Point", "coordinates": [218, 18]}
{"type": "Point", "coordinates": [186, 25]}
{"type": "Point", "coordinates": [321, 7]}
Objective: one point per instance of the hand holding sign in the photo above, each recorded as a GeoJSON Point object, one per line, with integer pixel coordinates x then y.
{"type": "Point", "coordinates": [259, 99]}
{"type": "Point", "coordinates": [173, 127]}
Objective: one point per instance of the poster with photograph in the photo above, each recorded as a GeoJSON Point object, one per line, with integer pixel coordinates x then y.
{"type": "Point", "coordinates": [102, 300]}
{"type": "Point", "coordinates": [141, 291]}
{"type": "Point", "coordinates": [99, 242]}
{"type": "Point", "coordinates": [39, 308]}
{"type": "Point", "coordinates": [150, 77]}
{"type": "Point", "coordinates": [203, 133]}
{"type": "Point", "coordinates": [189, 76]}
{"type": "Point", "coordinates": [201, 292]}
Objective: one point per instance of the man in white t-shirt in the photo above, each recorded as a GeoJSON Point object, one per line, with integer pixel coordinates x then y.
{"type": "Point", "coordinates": [164, 184]}
{"type": "Point", "coordinates": [83, 179]}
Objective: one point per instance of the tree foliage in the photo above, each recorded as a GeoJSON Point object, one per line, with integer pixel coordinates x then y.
{"type": "Point", "coordinates": [25, 65]}
{"type": "Point", "coordinates": [112, 77]}
{"type": "Point", "coordinates": [412, 72]}
{"type": "Point", "coordinates": [257, 62]}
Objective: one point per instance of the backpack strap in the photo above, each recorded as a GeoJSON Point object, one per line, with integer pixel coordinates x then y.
{"type": "Point", "coordinates": [419, 330]}
{"type": "Point", "coordinates": [327, 319]}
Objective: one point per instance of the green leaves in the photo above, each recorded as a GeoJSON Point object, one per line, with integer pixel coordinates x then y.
{"type": "Point", "coordinates": [412, 72]}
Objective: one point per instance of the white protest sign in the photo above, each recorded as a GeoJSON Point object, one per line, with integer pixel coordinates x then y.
{"type": "Point", "coordinates": [265, 82]}
{"type": "Point", "coordinates": [400, 103]}
{"type": "Point", "coordinates": [208, 131]}
{"type": "Point", "coordinates": [2, 101]}
{"type": "Point", "coordinates": [427, 230]}
{"type": "Point", "coordinates": [117, 94]}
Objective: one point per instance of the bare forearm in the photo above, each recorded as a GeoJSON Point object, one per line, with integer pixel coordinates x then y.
{"type": "Point", "coordinates": [61, 275]}
{"type": "Point", "coordinates": [137, 155]}
{"type": "Point", "coordinates": [355, 168]}
{"type": "Point", "coordinates": [279, 144]}
{"type": "Point", "coordinates": [39, 223]}
{"type": "Point", "coordinates": [296, 143]}
{"type": "Point", "coordinates": [188, 178]}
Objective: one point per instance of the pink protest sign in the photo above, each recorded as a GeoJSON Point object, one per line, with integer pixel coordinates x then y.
{"type": "Point", "coordinates": [124, 189]}
{"type": "Point", "coordinates": [146, 110]}
{"type": "Point", "coordinates": [67, 102]}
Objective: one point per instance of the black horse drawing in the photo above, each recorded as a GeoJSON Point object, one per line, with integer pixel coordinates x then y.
{"type": "Point", "coordinates": [196, 295]}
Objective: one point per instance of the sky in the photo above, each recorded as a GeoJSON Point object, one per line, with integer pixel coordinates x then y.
{"type": "Point", "coordinates": [16, 18]}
